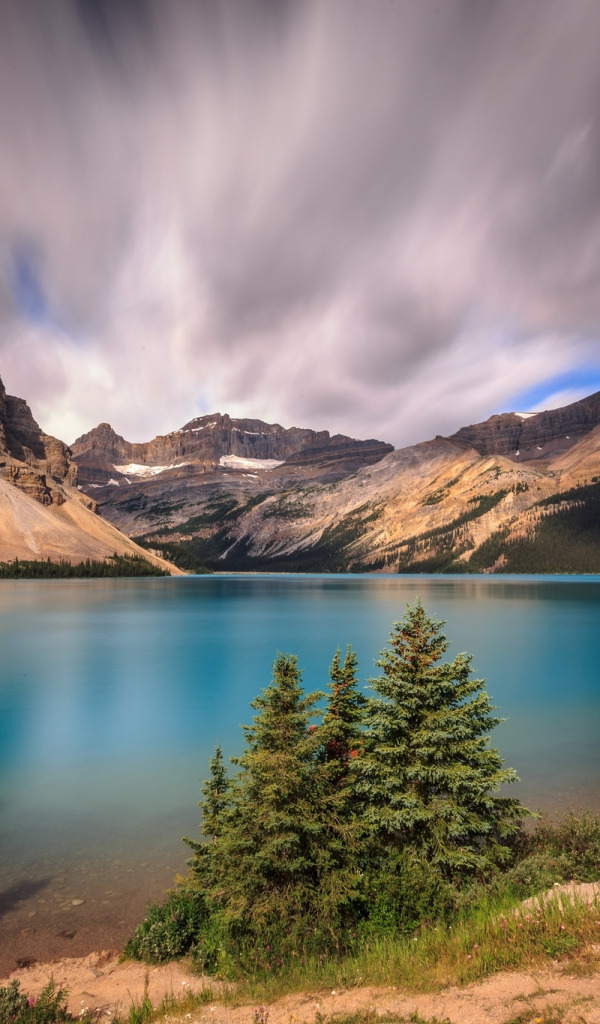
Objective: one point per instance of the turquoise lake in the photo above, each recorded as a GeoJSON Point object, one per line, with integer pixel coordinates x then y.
{"type": "Point", "coordinates": [113, 693]}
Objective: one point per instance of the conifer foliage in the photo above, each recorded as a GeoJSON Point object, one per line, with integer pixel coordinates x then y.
{"type": "Point", "coordinates": [429, 777]}
{"type": "Point", "coordinates": [341, 732]}
{"type": "Point", "coordinates": [326, 827]}
{"type": "Point", "coordinates": [282, 841]}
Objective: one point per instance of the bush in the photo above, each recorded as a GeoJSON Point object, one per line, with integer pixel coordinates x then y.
{"type": "Point", "coordinates": [576, 842]}
{"type": "Point", "coordinates": [536, 873]}
{"type": "Point", "coordinates": [210, 956]}
{"type": "Point", "coordinates": [406, 892]}
{"type": "Point", "coordinates": [169, 930]}
{"type": "Point", "coordinates": [18, 1008]}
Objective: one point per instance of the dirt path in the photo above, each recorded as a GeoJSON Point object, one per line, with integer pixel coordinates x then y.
{"type": "Point", "coordinates": [98, 981]}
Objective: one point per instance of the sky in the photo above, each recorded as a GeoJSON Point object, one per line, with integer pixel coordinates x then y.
{"type": "Point", "coordinates": [375, 217]}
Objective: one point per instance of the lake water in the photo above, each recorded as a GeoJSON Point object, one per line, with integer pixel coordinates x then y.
{"type": "Point", "coordinates": [113, 693]}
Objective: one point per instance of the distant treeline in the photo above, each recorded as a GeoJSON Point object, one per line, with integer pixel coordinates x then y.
{"type": "Point", "coordinates": [566, 539]}
{"type": "Point", "coordinates": [117, 565]}
{"type": "Point", "coordinates": [182, 554]}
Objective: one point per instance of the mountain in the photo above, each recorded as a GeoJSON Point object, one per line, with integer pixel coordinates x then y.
{"type": "Point", "coordinates": [519, 492]}
{"type": "Point", "coordinates": [215, 445]}
{"type": "Point", "coordinates": [526, 436]}
{"type": "Point", "coordinates": [210, 459]}
{"type": "Point", "coordinates": [42, 512]}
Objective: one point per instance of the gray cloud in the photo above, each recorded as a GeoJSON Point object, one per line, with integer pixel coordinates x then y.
{"type": "Point", "coordinates": [378, 218]}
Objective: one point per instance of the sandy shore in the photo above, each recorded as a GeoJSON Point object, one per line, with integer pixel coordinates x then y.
{"type": "Point", "coordinates": [99, 982]}
{"type": "Point", "coordinates": [71, 913]}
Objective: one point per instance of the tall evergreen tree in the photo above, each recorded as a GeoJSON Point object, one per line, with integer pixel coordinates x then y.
{"type": "Point", "coordinates": [429, 776]}
{"type": "Point", "coordinates": [215, 792]}
{"type": "Point", "coordinates": [283, 853]}
{"type": "Point", "coordinates": [340, 731]}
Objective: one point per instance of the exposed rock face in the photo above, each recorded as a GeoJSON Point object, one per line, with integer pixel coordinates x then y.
{"type": "Point", "coordinates": [538, 436]}
{"type": "Point", "coordinates": [30, 459]}
{"type": "Point", "coordinates": [42, 513]}
{"type": "Point", "coordinates": [323, 449]}
{"type": "Point", "coordinates": [204, 441]}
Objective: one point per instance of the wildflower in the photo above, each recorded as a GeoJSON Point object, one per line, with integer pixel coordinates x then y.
{"type": "Point", "coordinates": [562, 927]}
{"type": "Point", "coordinates": [469, 957]}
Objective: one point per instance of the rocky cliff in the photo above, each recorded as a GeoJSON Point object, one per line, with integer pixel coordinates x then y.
{"type": "Point", "coordinates": [30, 459]}
{"type": "Point", "coordinates": [203, 443]}
{"type": "Point", "coordinates": [43, 514]}
{"type": "Point", "coordinates": [523, 437]}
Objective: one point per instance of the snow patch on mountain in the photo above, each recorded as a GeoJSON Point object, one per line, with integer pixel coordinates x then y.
{"type": "Point", "coordinates": [135, 469]}
{"type": "Point", "coordinates": [239, 462]}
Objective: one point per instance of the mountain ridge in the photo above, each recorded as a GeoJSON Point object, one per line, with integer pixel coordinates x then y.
{"type": "Point", "coordinates": [206, 440]}
{"type": "Point", "coordinates": [524, 437]}
{"type": "Point", "coordinates": [339, 504]}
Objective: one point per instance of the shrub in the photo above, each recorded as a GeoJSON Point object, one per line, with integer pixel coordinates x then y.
{"type": "Point", "coordinates": [405, 893]}
{"type": "Point", "coordinates": [169, 930]}
{"type": "Point", "coordinates": [18, 1008]}
{"type": "Point", "coordinates": [575, 840]}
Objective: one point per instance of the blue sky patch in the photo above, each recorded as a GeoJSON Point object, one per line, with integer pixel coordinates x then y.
{"type": "Point", "coordinates": [585, 379]}
{"type": "Point", "coordinates": [27, 289]}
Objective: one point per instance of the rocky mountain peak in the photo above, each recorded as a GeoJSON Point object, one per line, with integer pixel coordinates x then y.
{"type": "Point", "coordinates": [31, 459]}
{"type": "Point", "coordinates": [524, 437]}
{"type": "Point", "coordinates": [201, 445]}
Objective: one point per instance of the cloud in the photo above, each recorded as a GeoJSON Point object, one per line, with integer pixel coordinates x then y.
{"type": "Point", "coordinates": [381, 219]}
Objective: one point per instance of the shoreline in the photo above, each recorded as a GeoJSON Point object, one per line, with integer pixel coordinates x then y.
{"type": "Point", "coordinates": [63, 910]}
{"type": "Point", "coordinates": [99, 983]}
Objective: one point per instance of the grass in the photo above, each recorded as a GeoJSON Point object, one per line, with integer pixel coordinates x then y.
{"type": "Point", "coordinates": [499, 936]}
{"type": "Point", "coordinates": [170, 1007]}
{"type": "Point", "coordinates": [496, 937]}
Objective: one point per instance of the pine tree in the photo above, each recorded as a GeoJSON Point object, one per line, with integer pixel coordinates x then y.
{"type": "Point", "coordinates": [340, 732]}
{"type": "Point", "coordinates": [215, 791]}
{"type": "Point", "coordinates": [429, 776]}
{"type": "Point", "coordinates": [282, 853]}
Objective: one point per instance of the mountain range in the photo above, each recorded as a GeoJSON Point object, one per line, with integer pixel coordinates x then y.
{"type": "Point", "coordinates": [518, 492]}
